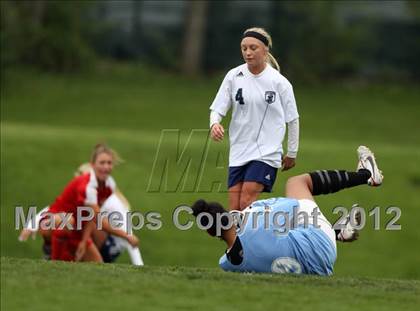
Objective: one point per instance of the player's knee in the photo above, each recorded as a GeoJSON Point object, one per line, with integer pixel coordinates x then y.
{"type": "Point", "coordinates": [295, 181]}
{"type": "Point", "coordinates": [292, 181]}
{"type": "Point", "coordinates": [298, 179]}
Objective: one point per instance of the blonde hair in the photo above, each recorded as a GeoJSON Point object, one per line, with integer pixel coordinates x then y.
{"type": "Point", "coordinates": [103, 148]}
{"type": "Point", "coordinates": [270, 58]}
{"type": "Point", "coordinates": [83, 169]}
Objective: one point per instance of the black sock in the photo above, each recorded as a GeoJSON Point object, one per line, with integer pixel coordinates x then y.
{"type": "Point", "coordinates": [324, 182]}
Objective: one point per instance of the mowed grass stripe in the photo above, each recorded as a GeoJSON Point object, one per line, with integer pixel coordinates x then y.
{"type": "Point", "coordinates": [38, 132]}
{"type": "Point", "coordinates": [167, 288]}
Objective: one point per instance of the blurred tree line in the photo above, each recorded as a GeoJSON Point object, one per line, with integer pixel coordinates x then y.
{"type": "Point", "coordinates": [48, 34]}
{"type": "Point", "coordinates": [313, 40]}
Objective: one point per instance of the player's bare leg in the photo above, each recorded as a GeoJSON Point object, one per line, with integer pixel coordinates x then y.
{"type": "Point", "coordinates": [235, 196]}
{"type": "Point", "coordinates": [92, 254]}
{"type": "Point", "coordinates": [99, 237]}
{"type": "Point", "coordinates": [299, 187]}
{"type": "Point", "coordinates": [250, 193]}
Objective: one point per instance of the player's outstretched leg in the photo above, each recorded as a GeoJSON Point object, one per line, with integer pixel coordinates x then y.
{"type": "Point", "coordinates": [366, 161]}
{"type": "Point", "coordinates": [329, 181]}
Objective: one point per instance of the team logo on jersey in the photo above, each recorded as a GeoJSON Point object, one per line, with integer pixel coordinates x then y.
{"type": "Point", "coordinates": [270, 97]}
{"type": "Point", "coordinates": [286, 265]}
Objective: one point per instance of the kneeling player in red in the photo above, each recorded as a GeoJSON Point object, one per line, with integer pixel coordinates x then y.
{"type": "Point", "coordinates": [88, 190]}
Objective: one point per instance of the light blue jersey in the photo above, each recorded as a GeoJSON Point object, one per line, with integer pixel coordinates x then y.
{"type": "Point", "coordinates": [268, 249]}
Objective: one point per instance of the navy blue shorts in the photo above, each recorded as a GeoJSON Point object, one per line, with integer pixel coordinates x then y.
{"type": "Point", "coordinates": [257, 171]}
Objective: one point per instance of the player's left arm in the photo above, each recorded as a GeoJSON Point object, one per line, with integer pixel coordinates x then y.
{"type": "Point", "coordinates": [289, 160]}
{"type": "Point", "coordinates": [291, 117]}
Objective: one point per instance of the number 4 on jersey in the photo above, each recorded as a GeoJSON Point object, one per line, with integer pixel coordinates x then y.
{"type": "Point", "coordinates": [239, 98]}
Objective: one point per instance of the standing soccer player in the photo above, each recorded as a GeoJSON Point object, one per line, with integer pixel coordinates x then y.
{"type": "Point", "coordinates": [262, 103]}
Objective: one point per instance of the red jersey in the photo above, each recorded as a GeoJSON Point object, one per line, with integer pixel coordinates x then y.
{"type": "Point", "coordinates": [83, 190]}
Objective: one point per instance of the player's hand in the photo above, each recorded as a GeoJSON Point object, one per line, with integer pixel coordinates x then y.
{"type": "Point", "coordinates": [81, 250]}
{"type": "Point", "coordinates": [217, 132]}
{"type": "Point", "coordinates": [288, 163]}
{"type": "Point", "coordinates": [25, 234]}
{"type": "Point", "coordinates": [133, 240]}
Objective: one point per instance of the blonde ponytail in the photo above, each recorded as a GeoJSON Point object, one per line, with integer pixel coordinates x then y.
{"type": "Point", "coordinates": [83, 169]}
{"type": "Point", "coordinates": [273, 62]}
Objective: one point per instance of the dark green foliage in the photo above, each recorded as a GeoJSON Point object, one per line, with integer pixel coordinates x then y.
{"type": "Point", "coordinates": [46, 34]}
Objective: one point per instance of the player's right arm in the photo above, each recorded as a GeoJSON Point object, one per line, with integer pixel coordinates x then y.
{"type": "Point", "coordinates": [220, 106]}
{"type": "Point", "coordinates": [217, 131]}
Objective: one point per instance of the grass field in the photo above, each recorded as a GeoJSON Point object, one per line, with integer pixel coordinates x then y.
{"type": "Point", "coordinates": [186, 288]}
{"type": "Point", "coordinates": [49, 123]}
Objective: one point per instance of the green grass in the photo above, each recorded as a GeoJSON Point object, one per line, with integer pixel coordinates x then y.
{"type": "Point", "coordinates": [69, 286]}
{"type": "Point", "coordinates": [49, 123]}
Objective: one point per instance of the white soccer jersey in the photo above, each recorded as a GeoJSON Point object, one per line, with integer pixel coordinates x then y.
{"type": "Point", "coordinates": [261, 106]}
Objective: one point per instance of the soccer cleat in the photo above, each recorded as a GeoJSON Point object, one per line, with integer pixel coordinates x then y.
{"type": "Point", "coordinates": [367, 161]}
{"type": "Point", "coordinates": [349, 233]}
